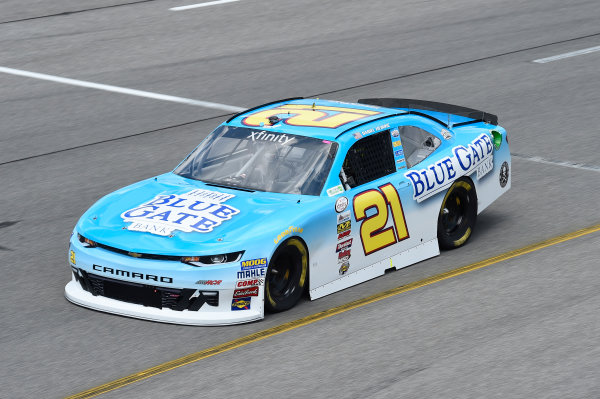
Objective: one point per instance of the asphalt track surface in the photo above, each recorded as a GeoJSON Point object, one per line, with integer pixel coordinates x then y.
{"type": "Point", "coordinates": [522, 327]}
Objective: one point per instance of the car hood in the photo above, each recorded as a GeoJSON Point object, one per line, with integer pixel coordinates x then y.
{"type": "Point", "coordinates": [172, 215]}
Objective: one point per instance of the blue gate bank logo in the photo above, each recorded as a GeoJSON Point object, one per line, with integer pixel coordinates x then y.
{"type": "Point", "coordinates": [431, 180]}
{"type": "Point", "coordinates": [196, 211]}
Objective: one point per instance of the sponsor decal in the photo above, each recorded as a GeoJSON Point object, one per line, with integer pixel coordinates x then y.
{"type": "Point", "coordinates": [335, 190]}
{"type": "Point", "coordinates": [485, 167]}
{"type": "Point", "coordinates": [342, 217]}
{"type": "Point", "coordinates": [341, 204]}
{"type": "Point", "coordinates": [344, 234]}
{"type": "Point", "coordinates": [270, 136]}
{"type": "Point", "coordinates": [357, 135]}
{"type": "Point", "coordinates": [72, 257]}
{"type": "Point", "coordinates": [343, 245]}
{"type": "Point", "coordinates": [395, 133]}
{"type": "Point", "coordinates": [288, 231]}
{"type": "Point", "coordinates": [253, 263]}
{"type": "Point", "coordinates": [504, 174]}
{"type": "Point", "coordinates": [252, 273]}
{"type": "Point", "coordinates": [344, 226]}
{"type": "Point", "coordinates": [240, 303]}
{"type": "Point", "coordinates": [344, 268]}
{"type": "Point", "coordinates": [344, 256]}
{"type": "Point", "coordinates": [446, 134]}
{"type": "Point", "coordinates": [195, 211]}
{"type": "Point", "coordinates": [249, 283]}
{"type": "Point", "coordinates": [128, 274]}
{"type": "Point", "coordinates": [209, 282]}
{"type": "Point", "coordinates": [397, 143]}
{"type": "Point", "coordinates": [399, 153]}
{"type": "Point", "coordinates": [248, 291]}
{"type": "Point", "coordinates": [431, 180]}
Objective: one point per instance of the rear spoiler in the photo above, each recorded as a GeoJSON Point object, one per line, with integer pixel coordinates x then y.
{"type": "Point", "coordinates": [409, 104]}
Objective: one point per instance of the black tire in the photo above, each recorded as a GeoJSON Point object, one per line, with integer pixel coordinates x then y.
{"type": "Point", "coordinates": [458, 214]}
{"type": "Point", "coordinates": [287, 275]}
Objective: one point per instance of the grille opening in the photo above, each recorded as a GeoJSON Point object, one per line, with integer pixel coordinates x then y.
{"type": "Point", "coordinates": [146, 295]}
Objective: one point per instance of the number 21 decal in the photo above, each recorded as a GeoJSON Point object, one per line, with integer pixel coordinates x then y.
{"type": "Point", "coordinates": [306, 115]}
{"type": "Point", "coordinates": [373, 234]}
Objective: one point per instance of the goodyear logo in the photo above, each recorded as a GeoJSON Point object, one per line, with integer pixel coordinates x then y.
{"type": "Point", "coordinates": [254, 264]}
{"type": "Point", "coordinates": [240, 303]}
{"type": "Point", "coordinates": [288, 231]}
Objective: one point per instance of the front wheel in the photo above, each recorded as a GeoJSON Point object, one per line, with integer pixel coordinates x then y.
{"type": "Point", "coordinates": [286, 276]}
{"type": "Point", "coordinates": [457, 215]}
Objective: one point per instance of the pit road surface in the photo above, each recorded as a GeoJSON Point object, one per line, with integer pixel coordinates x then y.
{"type": "Point", "coordinates": [526, 327]}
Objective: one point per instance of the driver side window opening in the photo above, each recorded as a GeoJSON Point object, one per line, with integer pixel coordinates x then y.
{"type": "Point", "coordinates": [417, 144]}
{"type": "Point", "coordinates": [368, 159]}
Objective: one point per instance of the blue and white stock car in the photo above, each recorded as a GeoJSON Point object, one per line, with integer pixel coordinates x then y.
{"type": "Point", "coordinates": [299, 195]}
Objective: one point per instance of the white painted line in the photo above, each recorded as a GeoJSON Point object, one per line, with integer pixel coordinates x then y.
{"type": "Point", "coordinates": [580, 166]}
{"type": "Point", "coordinates": [122, 90]}
{"type": "Point", "coordinates": [210, 3]}
{"type": "Point", "coordinates": [567, 55]}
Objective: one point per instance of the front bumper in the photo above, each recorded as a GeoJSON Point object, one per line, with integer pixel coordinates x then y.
{"type": "Point", "coordinates": [75, 294]}
{"type": "Point", "coordinates": [158, 290]}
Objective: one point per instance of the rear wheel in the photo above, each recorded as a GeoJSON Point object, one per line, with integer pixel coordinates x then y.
{"type": "Point", "coordinates": [286, 276]}
{"type": "Point", "coordinates": [458, 214]}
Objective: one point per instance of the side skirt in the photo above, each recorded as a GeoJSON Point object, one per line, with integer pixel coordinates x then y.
{"type": "Point", "coordinates": [409, 257]}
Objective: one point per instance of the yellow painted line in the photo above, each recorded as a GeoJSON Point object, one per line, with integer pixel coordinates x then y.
{"type": "Point", "coordinates": [258, 336]}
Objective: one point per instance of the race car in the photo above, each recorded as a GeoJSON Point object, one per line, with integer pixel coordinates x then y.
{"type": "Point", "coordinates": [294, 196]}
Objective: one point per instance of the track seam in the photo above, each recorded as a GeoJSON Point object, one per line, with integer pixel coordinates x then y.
{"type": "Point", "coordinates": [65, 13]}
{"type": "Point", "coordinates": [314, 95]}
{"type": "Point", "coordinates": [460, 64]}
{"type": "Point", "coordinates": [276, 330]}
{"type": "Point", "coordinates": [113, 139]}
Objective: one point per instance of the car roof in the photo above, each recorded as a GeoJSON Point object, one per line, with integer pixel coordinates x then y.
{"type": "Point", "coordinates": [297, 117]}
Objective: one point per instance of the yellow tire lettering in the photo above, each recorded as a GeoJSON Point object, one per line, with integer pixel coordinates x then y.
{"type": "Point", "coordinates": [373, 234]}
{"type": "Point", "coordinates": [462, 240]}
{"type": "Point", "coordinates": [304, 255]}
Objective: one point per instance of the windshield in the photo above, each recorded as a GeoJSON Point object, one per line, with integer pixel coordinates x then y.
{"type": "Point", "coordinates": [261, 160]}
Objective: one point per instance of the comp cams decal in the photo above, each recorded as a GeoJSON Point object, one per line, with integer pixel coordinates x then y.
{"type": "Point", "coordinates": [196, 211]}
{"type": "Point", "coordinates": [433, 179]}
{"type": "Point", "coordinates": [249, 283]}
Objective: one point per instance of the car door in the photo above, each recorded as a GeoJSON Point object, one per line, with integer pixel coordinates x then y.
{"type": "Point", "coordinates": [377, 212]}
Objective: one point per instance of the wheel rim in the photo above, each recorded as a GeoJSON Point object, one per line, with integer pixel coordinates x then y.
{"type": "Point", "coordinates": [454, 211]}
{"type": "Point", "coordinates": [283, 276]}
